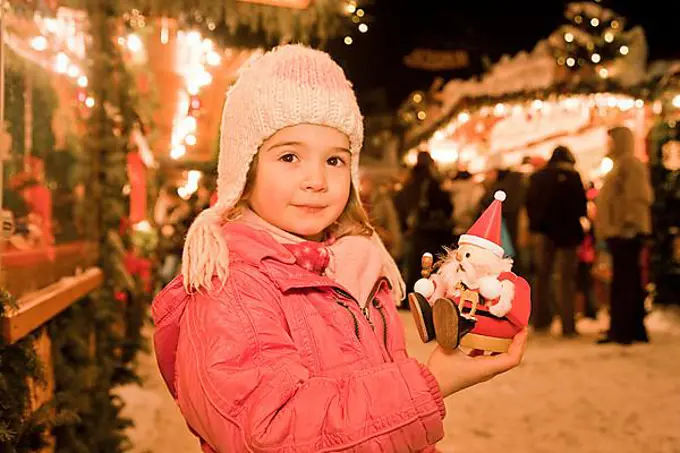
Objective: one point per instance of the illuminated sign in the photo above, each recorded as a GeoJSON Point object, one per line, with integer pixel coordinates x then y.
{"type": "Point", "coordinates": [295, 4]}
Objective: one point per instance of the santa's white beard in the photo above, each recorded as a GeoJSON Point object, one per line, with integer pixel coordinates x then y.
{"type": "Point", "coordinates": [456, 272]}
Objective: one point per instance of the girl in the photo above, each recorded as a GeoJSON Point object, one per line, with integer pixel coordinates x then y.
{"type": "Point", "coordinates": [281, 334]}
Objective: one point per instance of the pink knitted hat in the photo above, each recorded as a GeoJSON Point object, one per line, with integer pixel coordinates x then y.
{"type": "Point", "coordinates": [287, 86]}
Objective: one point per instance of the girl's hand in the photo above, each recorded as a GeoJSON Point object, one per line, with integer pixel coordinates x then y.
{"type": "Point", "coordinates": [455, 370]}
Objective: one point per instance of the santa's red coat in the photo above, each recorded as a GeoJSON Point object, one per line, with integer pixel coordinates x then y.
{"type": "Point", "coordinates": [514, 321]}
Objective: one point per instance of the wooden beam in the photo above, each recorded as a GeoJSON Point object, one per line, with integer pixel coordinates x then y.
{"type": "Point", "coordinates": [24, 272]}
{"type": "Point", "coordinates": [38, 307]}
{"type": "Point", "coordinates": [293, 4]}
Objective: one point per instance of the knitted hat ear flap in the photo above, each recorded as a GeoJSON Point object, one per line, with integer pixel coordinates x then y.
{"type": "Point", "coordinates": [205, 251]}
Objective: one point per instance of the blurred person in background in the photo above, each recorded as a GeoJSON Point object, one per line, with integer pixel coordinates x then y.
{"type": "Point", "coordinates": [201, 199]}
{"type": "Point", "coordinates": [500, 177]}
{"type": "Point", "coordinates": [586, 258]}
{"type": "Point", "coordinates": [173, 215]}
{"type": "Point", "coordinates": [556, 202]}
{"type": "Point", "coordinates": [466, 194]}
{"type": "Point", "coordinates": [623, 221]}
{"type": "Point", "coordinates": [377, 200]}
{"type": "Point", "coordinates": [425, 212]}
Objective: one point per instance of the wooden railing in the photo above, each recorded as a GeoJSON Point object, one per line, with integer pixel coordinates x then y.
{"type": "Point", "coordinates": [31, 270]}
{"type": "Point", "coordinates": [44, 283]}
{"type": "Point", "coordinates": [38, 307]}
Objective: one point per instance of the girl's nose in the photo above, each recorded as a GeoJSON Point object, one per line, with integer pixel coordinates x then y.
{"type": "Point", "coordinates": [315, 179]}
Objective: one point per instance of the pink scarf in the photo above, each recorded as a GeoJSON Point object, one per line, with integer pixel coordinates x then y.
{"type": "Point", "coordinates": [356, 262]}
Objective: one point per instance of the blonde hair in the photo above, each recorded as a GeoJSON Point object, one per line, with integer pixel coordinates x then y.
{"type": "Point", "coordinates": [353, 220]}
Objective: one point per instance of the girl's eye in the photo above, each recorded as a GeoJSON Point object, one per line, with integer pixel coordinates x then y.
{"type": "Point", "coordinates": [289, 158]}
{"type": "Point", "coordinates": [467, 255]}
{"type": "Point", "coordinates": [335, 161]}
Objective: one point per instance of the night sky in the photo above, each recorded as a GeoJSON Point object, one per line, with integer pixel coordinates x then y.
{"type": "Point", "coordinates": [488, 28]}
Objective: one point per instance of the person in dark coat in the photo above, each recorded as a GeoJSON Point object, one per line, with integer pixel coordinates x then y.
{"type": "Point", "coordinates": [425, 212]}
{"type": "Point", "coordinates": [556, 201]}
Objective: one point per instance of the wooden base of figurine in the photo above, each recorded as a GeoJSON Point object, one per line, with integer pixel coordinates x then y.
{"type": "Point", "coordinates": [484, 343]}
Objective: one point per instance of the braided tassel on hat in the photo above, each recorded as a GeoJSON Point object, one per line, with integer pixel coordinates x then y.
{"type": "Point", "coordinates": [205, 251]}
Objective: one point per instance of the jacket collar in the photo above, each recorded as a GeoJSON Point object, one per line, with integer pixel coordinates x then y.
{"type": "Point", "coordinates": [253, 246]}
{"type": "Point", "coordinates": [258, 248]}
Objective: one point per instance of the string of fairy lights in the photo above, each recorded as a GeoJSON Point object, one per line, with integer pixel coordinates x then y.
{"type": "Point", "coordinates": [358, 17]}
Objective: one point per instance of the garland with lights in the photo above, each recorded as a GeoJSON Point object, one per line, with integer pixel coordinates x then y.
{"type": "Point", "coordinates": [238, 23]}
{"type": "Point", "coordinates": [100, 426]}
{"type": "Point", "coordinates": [95, 341]}
{"type": "Point", "coordinates": [474, 104]}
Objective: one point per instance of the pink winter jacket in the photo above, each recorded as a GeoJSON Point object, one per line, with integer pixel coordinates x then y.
{"type": "Point", "coordinates": [284, 360]}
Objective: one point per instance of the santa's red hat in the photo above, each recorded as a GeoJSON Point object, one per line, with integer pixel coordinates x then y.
{"type": "Point", "coordinates": [486, 232]}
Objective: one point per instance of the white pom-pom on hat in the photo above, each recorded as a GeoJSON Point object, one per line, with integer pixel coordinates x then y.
{"type": "Point", "coordinates": [500, 195]}
{"type": "Point", "coordinates": [425, 287]}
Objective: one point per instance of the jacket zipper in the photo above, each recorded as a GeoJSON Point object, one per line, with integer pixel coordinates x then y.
{"type": "Point", "coordinates": [379, 307]}
{"type": "Point", "coordinates": [354, 318]}
{"type": "Point", "coordinates": [366, 312]}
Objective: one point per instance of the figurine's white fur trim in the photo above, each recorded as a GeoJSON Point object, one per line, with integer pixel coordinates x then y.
{"type": "Point", "coordinates": [504, 304]}
{"type": "Point", "coordinates": [425, 287]}
{"type": "Point", "coordinates": [481, 242]}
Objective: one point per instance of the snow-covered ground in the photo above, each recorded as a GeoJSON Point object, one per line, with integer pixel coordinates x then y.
{"type": "Point", "coordinates": [567, 396]}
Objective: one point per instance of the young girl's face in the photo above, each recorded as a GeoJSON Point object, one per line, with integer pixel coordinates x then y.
{"type": "Point", "coordinates": [302, 181]}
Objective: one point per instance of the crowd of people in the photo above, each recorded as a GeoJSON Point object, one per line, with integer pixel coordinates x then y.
{"type": "Point", "coordinates": [556, 226]}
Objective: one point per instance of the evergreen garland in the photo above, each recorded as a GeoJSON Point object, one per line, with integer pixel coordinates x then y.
{"type": "Point", "coordinates": [85, 360]}
{"type": "Point", "coordinates": [44, 103]}
{"type": "Point", "coordinates": [18, 363]}
{"type": "Point", "coordinates": [95, 341]}
{"type": "Point", "coordinates": [243, 24]}
{"type": "Point", "coordinates": [103, 319]}
{"type": "Point", "coordinates": [14, 110]}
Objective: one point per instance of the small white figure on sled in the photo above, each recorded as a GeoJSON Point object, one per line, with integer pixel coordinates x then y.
{"type": "Point", "coordinates": [473, 299]}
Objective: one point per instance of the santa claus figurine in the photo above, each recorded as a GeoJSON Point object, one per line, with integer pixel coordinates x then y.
{"type": "Point", "coordinates": [473, 300]}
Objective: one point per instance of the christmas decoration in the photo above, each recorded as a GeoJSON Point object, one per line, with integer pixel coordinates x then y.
{"type": "Point", "coordinates": [413, 110]}
{"type": "Point", "coordinates": [96, 340]}
{"type": "Point", "coordinates": [594, 36]}
{"type": "Point", "coordinates": [19, 363]}
{"type": "Point", "coordinates": [235, 23]}
{"type": "Point", "coordinates": [473, 300]}
{"type": "Point", "coordinates": [535, 97]}
{"type": "Point", "coordinates": [595, 44]}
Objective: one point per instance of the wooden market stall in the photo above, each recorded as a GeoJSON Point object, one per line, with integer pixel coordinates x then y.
{"type": "Point", "coordinates": [525, 105]}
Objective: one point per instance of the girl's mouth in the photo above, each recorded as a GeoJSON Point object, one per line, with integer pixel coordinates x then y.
{"type": "Point", "coordinates": [310, 209]}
